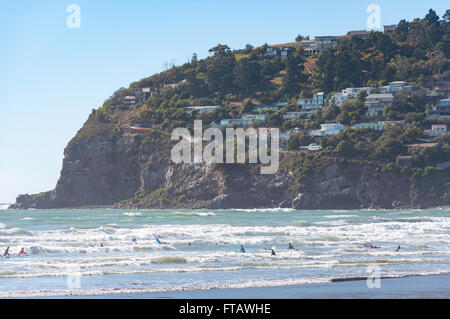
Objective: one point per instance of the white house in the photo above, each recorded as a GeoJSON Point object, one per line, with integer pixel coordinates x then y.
{"type": "Point", "coordinates": [201, 109]}
{"type": "Point", "coordinates": [436, 129]}
{"type": "Point", "coordinates": [292, 116]}
{"type": "Point", "coordinates": [348, 94]}
{"type": "Point", "coordinates": [313, 147]}
{"type": "Point", "coordinates": [317, 102]}
{"type": "Point", "coordinates": [245, 120]}
{"type": "Point", "coordinates": [379, 126]}
{"type": "Point", "coordinates": [368, 126]}
{"type": "Point", "coordinates": [328, 129]}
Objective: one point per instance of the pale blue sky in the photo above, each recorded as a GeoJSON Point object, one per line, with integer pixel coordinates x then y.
{"type": "Point", "coordinates": [52, 76]}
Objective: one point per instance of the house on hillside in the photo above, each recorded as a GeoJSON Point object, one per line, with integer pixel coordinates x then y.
{"type": "Point", "coordinates": [389, 28]}
{"type": "Point", "coordinates": [292, 116]}
{"type": "Point", "coordinates": [349, 94]}
{"type": "Point", "coordinates": [174, 85]}
{"type": "Point", "coordinates": [443, 108]}
{"type": "Point", "coordinates": [395, 86]}
{"type": "Point", "coordinates": [201, 109]}
{"type": "Point", "coordinates": [436, 130]}
{"type": "Point", "coordinates": [313, 147]}
{"type": "Point", "coordinates": [379, 126]}
{"type": "Point", "coordinates": [309, 47]}
{"type": "Point", "coordinates": [316, 102]}
{"type": "Point", "coordinates": [376, 102]}
{"type": "Point", "coordinates": [244, 121]}
{"type": "Point", "coordinates": [328, 129]}
{"type": "Point", "coordinates": [281, 50]}
{"type": "Point", "coordinates": [141, 94]}
{"type": "Point", "coordinates": [358, 34]}
{"type": "Point", "coordinates": [327, 42]}
{"type": "Point", "coordinates": [129, 100]}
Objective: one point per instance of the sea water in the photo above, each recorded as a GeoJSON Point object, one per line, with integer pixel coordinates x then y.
{"type": "Point", "coordinates": [199, 248]}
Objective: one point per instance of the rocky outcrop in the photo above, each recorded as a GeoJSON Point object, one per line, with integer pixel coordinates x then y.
{"type": "Point", "coordinates": [135, 171]}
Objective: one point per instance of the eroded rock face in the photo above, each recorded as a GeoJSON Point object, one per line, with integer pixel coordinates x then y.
{"type": "Point", "coordinates": [102, 171]}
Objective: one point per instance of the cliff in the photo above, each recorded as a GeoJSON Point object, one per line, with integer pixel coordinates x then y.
{"type": "Point", "coordinates": [134, 170]}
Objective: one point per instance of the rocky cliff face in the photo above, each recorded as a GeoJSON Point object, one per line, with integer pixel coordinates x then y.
{"type": "Point", "coordinates": [135, 171]}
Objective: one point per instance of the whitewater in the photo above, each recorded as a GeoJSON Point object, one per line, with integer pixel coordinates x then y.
{"type": "Point", "coordinates": [106, 251]}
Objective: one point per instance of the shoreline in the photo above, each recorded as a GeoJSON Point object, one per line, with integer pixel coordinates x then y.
{"type": "Point", "coordinates": [434, 286]}
{"type": "Point", "coordinates": [426, 286]}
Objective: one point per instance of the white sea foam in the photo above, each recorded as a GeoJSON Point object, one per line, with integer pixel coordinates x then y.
{"type": "Point", "coordinates": [133, 214]}
{"type": "Point", "coordinates": [328, 245]}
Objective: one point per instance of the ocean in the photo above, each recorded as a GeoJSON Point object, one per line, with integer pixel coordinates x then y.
{"type": "Point", "coordinates": [108, 251]}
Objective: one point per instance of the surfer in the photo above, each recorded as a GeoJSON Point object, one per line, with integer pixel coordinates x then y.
{"type": "Point", "coordinates": [398, 248]}
{"type": "Point", "coordinates": [242, 250]}
{"type": "Point", "coordinates": [373, 246]}
{"type": "Point", "coordinates": [272, 251]}
{"type": "Point", "coordinates": [101, 244]}
{"type": "Point", "coordinates": [22, 252]}
{"type": "Point", "coordinates": [159, 242]}
{"type": "Point", "coordinates": [291, 247]}
{"type": "Point", "coordinates": [134, 240]}
{"type": "Point", "coordinates": [6, 252]}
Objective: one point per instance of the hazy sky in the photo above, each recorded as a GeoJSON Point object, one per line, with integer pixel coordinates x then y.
{"type": "Point", "coordinates": [52, 76]}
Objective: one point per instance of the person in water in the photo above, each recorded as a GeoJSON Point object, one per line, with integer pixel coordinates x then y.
{"type": "Point", "coordinates": [398, 248]}
{"type": "Point", "coordinates": [6, 252]}
{"type": "Point", "coordinates": [22, 252]}
{"type": "Point", "coordinates": [242, 250]}
{"type": "Point", "coordinates": [272, 253]}
{"type": "Point", "coordinates": [291, 247]}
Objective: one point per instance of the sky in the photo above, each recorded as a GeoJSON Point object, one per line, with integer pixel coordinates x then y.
{"type": "Point", "coordinates": [52, 76]}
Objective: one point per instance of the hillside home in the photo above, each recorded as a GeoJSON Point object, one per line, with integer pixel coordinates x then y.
{"type": "Point", "coordinates": [328, 129]}
{"type": "Point", "coordinates": [395, 87]}
{"type": "Point", "coordinates": [245, 120]}
{"type": "Point", "coordinates": [292, 116]}
{"type": "Point", "coordinates": [174, 85]}
{"type": "Point", "coordinates": [141, 94]}
{"type": "Point", "coordinates": [313, 147]}
{"type": "Point", "coordinates": [201, 109]}
{"type": "Point", "coordinates": [309, 47]}
{"type": "Point", "coordinates": [316, 102]}
{"type": "Point", "coordinates": [443, 108]}
{"type": "Point", "coordinates": [358, 33]}
{"type": "Point", "coordinates": [379, 126]}
{"type": "Point", "coordinates": [418, 146]}
{"type": "Point", "coordinates": [129, 100]}
{"type": "Point", "coordinates": [389, 28]}
{"type": "Point", "coordinates": [376, 102]}
{"type": "Point", "coordinates": [348, 94]}
{"type": "Point", "coordinates": [326, 42]}
{"type": "Point", "coordinates": [274, 107]}
{"type": "Point", "coordinates": [281, 50]}
{"type": "Point", "coordinates": [436, 129]}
